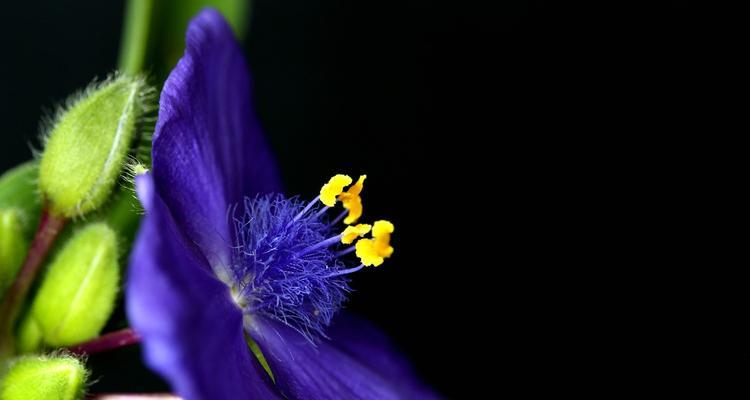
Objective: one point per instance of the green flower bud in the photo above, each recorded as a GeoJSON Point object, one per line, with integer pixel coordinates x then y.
{"type": "Point", "coordinates": [89, 144]}
{"type": "Point", "coordinates": [77, 294]}
{"type": "Point", "coordinates": [13, 247]}
{"type": "Point", "coordinates": [29, 336]}
{"type": "Point", "coordinates": [18, 191]}
{"type": "Point", "coordinates": [45, 378]}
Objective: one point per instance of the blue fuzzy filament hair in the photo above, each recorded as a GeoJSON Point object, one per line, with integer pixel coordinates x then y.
{"type": "Point", "coordinates": [275, 276]}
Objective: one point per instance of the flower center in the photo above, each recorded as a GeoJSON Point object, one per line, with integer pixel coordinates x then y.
{"type": "Point", "coordinates": [291, 263]}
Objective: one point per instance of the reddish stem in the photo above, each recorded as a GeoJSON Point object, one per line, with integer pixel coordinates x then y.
{"type": "Point", "coordinates": [50, 225]}
{"type": "Point", "coordinates": [133, 396]}
{"type": "Point", "coordinates": [110, 341]}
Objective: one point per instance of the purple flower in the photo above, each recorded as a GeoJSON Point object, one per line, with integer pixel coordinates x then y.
{"type": "Point", "coordinates": [234, 286]}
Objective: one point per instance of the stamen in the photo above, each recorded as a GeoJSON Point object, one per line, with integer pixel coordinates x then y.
{"type": "Point", "coordinates": [321, 212]}
{"type": "Point", "coordinates": [346, 271]}
{"type": "Point", "coordinates": [353, 232]}
{"type": "Point", "coordinates": [346, 251]}
{"type": "Point", "coordinates": [374, 251]}
{"type": "Point", "coordinates": [382, 230]}
{"type": "Point", "coordinates": [281, 270]}
{"type": "Point", "coordinates": [325, 243]}
{"type": "Point", "coordinates": [355, 210]}
{"type": "Point", "coordinates": [304, 210]}
{"type": "Point", "coordinates": [286, 260]}
{"type": "Point", "coordinates": [367, 254]}
{"type": "Point", "coordinates": [333, 188]}
{"type": "Point", "coordinates": [352, 201]}
{"type": "Point", "coordinates": [339, 218]}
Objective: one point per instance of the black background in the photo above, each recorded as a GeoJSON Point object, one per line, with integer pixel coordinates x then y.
{"type": "Point", "coordinates": [468, 120]}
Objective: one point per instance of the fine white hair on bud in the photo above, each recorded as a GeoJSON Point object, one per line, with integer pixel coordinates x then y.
{"type": "Point", "coordinates": [90, 140]}
{"type": "Point", "coordinates": [64, 378]}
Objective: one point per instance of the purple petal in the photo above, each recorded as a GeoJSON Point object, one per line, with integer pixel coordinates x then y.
{"type": "Point", "coordinates": [304, 371]}
{"type": "Point", "coordinates": [192, 330]}
{"type": "Point", "coordinates": [364, 341]}
{"type": "Point", "coordinates": [208, 149]}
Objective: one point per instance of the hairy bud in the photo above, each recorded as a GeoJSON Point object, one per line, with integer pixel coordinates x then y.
{"type": "Point", "coordinates": [89, 145]}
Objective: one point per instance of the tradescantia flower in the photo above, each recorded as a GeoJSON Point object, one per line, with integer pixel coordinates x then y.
{"type": "Point", "coordinates": [233, 286]}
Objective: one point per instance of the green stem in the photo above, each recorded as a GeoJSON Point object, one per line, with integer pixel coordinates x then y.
{"type": "Point", "coordinates": [135, 32]}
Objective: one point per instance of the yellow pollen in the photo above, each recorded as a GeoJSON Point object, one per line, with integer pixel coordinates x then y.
{"type": "Point", "coordinates": [353, 232]}
{"type": "Point", "coordinates": [352, 201]}
{"type": "Point", "coordinates": [374, 251]}
{"type": "Point", "coordinates": [356, 188]}
{"type": "Point", "coordinates": [382, 229]}
{"type": "Point", "coordinates": [333, 188]}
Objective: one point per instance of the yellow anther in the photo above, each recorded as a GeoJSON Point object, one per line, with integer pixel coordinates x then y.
{"type": "Point", "coordinates": [352, 201]}
{"type": "Point", "coordinates": [353, 232]}
{"type": "Point", "coordinates": [382, 230]}
{"type": "Point", "coordinates": [356, 188]}
{"type": "Point", "coordinates": [374, 251]}
{"type": "Point", "coordinates": [333, 188]}
{"type": "Point", "coordinates": [366, 252]}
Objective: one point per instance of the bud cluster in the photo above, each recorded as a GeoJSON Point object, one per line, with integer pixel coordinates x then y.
{"type": "Point", "coordinates": [91, 145]}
